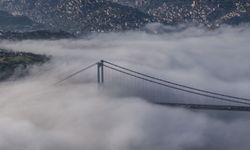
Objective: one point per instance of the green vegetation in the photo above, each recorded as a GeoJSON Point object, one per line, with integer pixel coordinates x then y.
{"type": "Point", "coordinates": [16, 64]}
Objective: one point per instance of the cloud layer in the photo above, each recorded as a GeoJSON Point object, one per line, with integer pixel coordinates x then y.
{"type": "Point", "coordinates": [35, 114]}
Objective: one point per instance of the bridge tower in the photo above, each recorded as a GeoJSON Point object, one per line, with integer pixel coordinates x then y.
{"type": "Point", "coordinates": [100, 72]}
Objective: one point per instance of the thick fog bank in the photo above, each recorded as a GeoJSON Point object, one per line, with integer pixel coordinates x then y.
{"type": "Point", "coordinates": [37, 115]}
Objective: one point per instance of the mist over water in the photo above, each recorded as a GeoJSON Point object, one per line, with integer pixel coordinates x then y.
{"type": "Point", "coordinates": [37, 115]}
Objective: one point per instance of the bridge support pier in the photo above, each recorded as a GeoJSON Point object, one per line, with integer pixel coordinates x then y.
{"type": "Point", "coordinates": [100, 72]}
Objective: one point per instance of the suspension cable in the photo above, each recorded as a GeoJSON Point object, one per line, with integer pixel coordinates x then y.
{"type": "Point", "coordinates": [75, 73]}
{"type": "Point", "coordinates": [177, 88]}
{"type": "Point", "coordinates": [176, 84]}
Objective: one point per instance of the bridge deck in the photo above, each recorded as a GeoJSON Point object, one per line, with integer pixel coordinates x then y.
{"type": "Point", "coordinates": [206, 107]}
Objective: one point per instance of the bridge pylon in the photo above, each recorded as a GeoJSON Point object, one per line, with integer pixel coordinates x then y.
{"type": "Point", "coordinates": [100, 72]}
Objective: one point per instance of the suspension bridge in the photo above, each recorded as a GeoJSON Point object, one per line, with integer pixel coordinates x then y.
{"type": "Point", "coordinates": [208, 100]}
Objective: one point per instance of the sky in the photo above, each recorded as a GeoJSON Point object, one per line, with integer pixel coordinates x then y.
{"type": "Point", "coordinates": [36, 114]}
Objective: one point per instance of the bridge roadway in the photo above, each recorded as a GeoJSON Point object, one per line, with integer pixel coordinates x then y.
{"type": "Point", "coordinates": [206, 107]}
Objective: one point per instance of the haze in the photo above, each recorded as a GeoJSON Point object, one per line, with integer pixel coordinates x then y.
{"type": "Point", "coordinates": [37, 115]}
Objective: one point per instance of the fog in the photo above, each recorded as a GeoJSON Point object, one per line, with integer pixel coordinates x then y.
{"type": "Point", "coordinates": [36, 114]}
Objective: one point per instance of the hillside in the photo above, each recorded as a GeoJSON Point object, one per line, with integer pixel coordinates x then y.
{"type": "Point", "coordinates": [206, 12]}
{"type": "Point", "coordinates": [35, 35]}
{"type": "Point", "coordinates": [84, 16]}
{"type": "Point", "coordinates": [16, 64]}
{"type": "Point", "coordinates": [10, 22]}
{"type": "Point", "coordinates": [79, 16]}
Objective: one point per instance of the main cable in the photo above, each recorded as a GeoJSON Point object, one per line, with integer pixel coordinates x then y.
{"type": "Point", "coordinates": [75, 73]}
{"type": "Point", "coordinates": [176, 88]}
{"type": "Point", "coordinates": [180, 85]}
